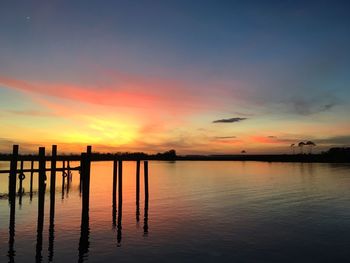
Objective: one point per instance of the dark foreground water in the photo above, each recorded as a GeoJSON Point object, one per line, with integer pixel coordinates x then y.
{"type": "Point", "coordinates": [198, 212]}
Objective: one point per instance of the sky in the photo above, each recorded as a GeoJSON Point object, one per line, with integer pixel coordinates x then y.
{"type": "Point", "coordinates": [200, 76]}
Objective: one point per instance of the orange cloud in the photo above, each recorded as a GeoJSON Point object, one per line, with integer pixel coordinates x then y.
{"type": "Point", "coordinates": [120, 91]}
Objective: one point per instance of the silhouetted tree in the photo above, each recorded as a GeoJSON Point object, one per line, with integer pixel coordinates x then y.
{"type": "Point", "coordinates": [171, 154]}
{"type": "Point", "coordinates": [310, 144]}
{"type": "Point", "coordinates": [292, 147]}
{"type": "Point", "coordinates": [301, 145]}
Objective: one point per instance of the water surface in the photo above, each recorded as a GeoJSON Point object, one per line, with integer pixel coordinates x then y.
{"type": "Point", "coordinates": [197, 211]}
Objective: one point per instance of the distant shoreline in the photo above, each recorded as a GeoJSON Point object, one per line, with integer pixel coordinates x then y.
{"type": "Point", "coordinates": [300, 158]}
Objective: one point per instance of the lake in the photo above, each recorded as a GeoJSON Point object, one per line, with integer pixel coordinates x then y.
{"type": "Point", "coordinates": [197, 212]}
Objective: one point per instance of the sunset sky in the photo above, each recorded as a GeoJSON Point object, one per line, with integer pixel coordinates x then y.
{"type": "Point", "coordinates": [201, 77]}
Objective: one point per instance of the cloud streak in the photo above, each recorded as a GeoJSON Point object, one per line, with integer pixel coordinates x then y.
{"type": "Point", "coordinates": [121, 90]}
{"type": "Point", "coordinates": [225, 137]}
{"type": "Point", "coordinates": [230, 120]}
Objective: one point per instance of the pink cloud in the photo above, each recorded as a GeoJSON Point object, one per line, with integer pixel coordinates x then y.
{"type": "Point", "coordinates": [122, 91]}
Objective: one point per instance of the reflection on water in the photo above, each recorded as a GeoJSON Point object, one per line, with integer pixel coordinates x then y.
{"type": "Point", "coordinates": [200, 211]}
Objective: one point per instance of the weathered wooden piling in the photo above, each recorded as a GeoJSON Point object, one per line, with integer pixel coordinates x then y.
{"type": "Point", "coordinates": [85, 170]}
{"type": "Point", "coordinates": [13, 173]}
{"type": "Point", "coordinates": [120, 201]}
{"type": "Point", "coordinates": [145, 224]}
{"type": "Point", "coordinates": [114, 192]}
{"type": "Point", "coordinates": [85, 167]}
{"type": "Point", "coordinates": [138, 190]}
{"type": "Point", "coordinates": [41, 203]}
{"type": "Point", "coordinates": [146, 178]}
{"type": "Point", "coordinates": [68, 176]}
{"type": "Point", "coordinates": [63, 177]}
{"type": "Point", "coordinates": [53, 179]}
{"type": "Point", "coordinates": [31, 179]}
{"type": "Point", "coordinates": [120, 183]}
{"type": "Point", "coordinates": [21, 177]}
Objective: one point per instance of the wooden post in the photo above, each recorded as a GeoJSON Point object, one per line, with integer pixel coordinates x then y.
{"type": "Point", "coordinates": [80, 177]}
{"type": "Point", "coordinates": [31, 179]}
{"type": "Point", "coordinates": [63, 177]}
{"type": "Point", "coordinates": [120, 201]}
{"type": "Point", "coordinates": [53, 179]}
{"type": "Point", "coordinates": [21, 177]}
{"type": "Point", "coordinates": [13, 173]}
{"type": "Point", "coordinates": [68, 176]}
{"type": "Point", "coordinates": [120, 183]}
{"type": "Point", "coordinates": [114, 193]}
{"type": "Point", "coordinates": [145, 225]}
{"type": "Point", "coordinates": [89, 149]}
{"type": "Point", "coordinates": [146, 178]}
{"type": "Point", "coordinates": [85, 169]}
{"type": "Point", "coordinates": [138, 190]}
{"type": "Point", "coordinates": [12, 200]}
{"type": "Point", "coordinates": [41, 203]}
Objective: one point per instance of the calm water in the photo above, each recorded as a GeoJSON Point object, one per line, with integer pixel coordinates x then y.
{"type": "Point", "coordinates": [198, 211]}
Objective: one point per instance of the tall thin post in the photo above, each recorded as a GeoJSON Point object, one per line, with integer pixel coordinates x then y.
{"type": "Point", "coordinates": [21, 177]}
{"type": "Point", "coordinates": [120, 201]}
{"type": "Point", "coordinates": [63, 177]}
{"type": "Point", "coordinates": [52, 201]}
{"type": "Point", "coordinates": [68, 176]}
{"type": "Point", "coordinates": [12, 200]}
{"type": "Point", "coordinates": [114, 194]}
{"type": "Point", "coordinates": [41, 203]}
{"type": "Point", "coordinates": [138, 190]}
{"type": "Point", "coordinates": [53, 179]}
{"type": "Point", "coordinates": [13, 172]}
{"type": "Point", "coordinates": [146, 178]}
{"type": "Point", "coordinates": [120, 183]}
{"type": "Point", "coordinates": [31, 179]}
{"type": "Point", "coordinates": [86, 164]}
{"type": "Point", "coordinates": [145, 225]}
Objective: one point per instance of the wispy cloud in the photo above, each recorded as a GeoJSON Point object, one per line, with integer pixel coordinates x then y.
{"type": "Point", "coordinates": [30, 113]}
{"type": "Point", "coordinates": [230, 120]}
{"type": "Point", "coordinates": [335, 140]}
{"type": "Point", "coordinates": [308, 106]}
{"type": "Point", "coordinates": [225, 137]}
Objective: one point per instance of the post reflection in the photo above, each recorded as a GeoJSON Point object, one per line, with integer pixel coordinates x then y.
{"type": "Point", "coordinates": [84, 246]}
{"type": "Point", "coordinates": [41, 204]}
{"type": "Point", "coordinates": [52, 202]}
{"type": "Point", "coordinates": [119, 226]}
{"type": "Point", "coordinates": [84, 228]}
{"type": "Point", "coordinates": [145, 219]}
{"type": "Point", "coordinates": [138, 191]}
{"type": "Point", "coordinates": [84, 238]}
{"type": "Point", "coordinates": [11, 252]}
{"type": "Point", "coordinates": [114, 193]}
{"type": "Point", "coordinates": [12, 200]}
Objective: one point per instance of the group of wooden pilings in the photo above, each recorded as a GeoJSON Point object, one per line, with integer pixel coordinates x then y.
{"type": "Point", "coordinates": [20, 173]}
{"type": "Point", "coordinates": [85, 167]}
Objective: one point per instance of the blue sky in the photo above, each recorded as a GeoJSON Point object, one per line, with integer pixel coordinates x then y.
{"type": "Point", "coordinates": [177, 66]}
